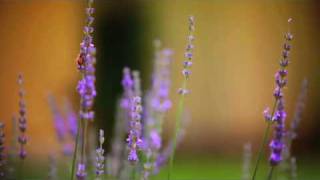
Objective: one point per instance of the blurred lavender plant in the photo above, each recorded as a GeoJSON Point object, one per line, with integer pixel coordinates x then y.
{"type": "Point", "coordinates": [65, 124]}
{"type": "Point", "coordinates": [22, 124]}
{"type": "Point", "coordinates": [72, 119]}
{"type": "Point", "coordinates": [100, 156]}
{"type": "Point", "coordinates": [166, 152]}
{"type": "Point", "coordinates": [86, 89]}
{"type": "Point", "coordinates": [2, 152]}
{"type": "Point", "coordinates": [58, 120]}
{"type": "Point", "coordinates": [157, 104]}
{"type": "Point", "coordinates": [13, 149]}
{"type": "Point", "coordinates": [128, 88]}
{"type": "Point", "coordinates": [247, 157]}
{"type": "Point", "coordinates": [183, 90]}
{"type": "Point", "coordinates": [134, 139]}
{"type": "Point", "coordinates": [22, 139]}
{"type": "Point", "coordinates": [115, 158]}
{"type": "Point", "coordinates": [286, 167]}
{"type": "Point", "coordinates": [293, 168]}
{"type": "Point", "coordinates": [53, 169]}
{"type": "Point", "coordinates": [278, 113]}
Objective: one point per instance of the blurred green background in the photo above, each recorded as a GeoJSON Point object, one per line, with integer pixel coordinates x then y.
{"type": "Point", "coordinates": [238, 45]}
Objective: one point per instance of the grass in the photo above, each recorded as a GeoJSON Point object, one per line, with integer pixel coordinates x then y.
{"type": "Point", "coordinates": [197, 167]}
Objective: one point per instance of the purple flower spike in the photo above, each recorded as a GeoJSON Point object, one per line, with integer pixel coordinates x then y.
{"type": "Point", "coordinates": [22, 139]}
{"type": "Point", "coordinates": [72, 119]}
{"type": "Point", "coordinates": [58, 119]}
{"type": "Point", "coordinates": [300, 106]}
{"type": "Point", "coordinates": [81, 172]}
{"type": "Point", "coordinates": [133, 156]}
{"type": "Point", "coordinates": [100, 155]}
{"type": "Point", "coordinates": [86, 86]}
{"type": "Point", "coordinates": [86, 65]}
{"type": "Point", "coordinates": [134, 139]}
{"type": "Point", "coordinates": [267, 114]}
{"type": "Point", "coordinates": [277, 144]}
{"type": "Point", "coordinates": [128, 85]}
{"type": "Point", "coordinates": [189, 51]}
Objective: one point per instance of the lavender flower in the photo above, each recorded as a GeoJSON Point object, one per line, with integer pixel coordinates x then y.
{"type": "Point", "coordinates": [22, 139]}
{"type": "Point", "coordinates": [128, 86]}
{"type": "Point", "coordinates": [134, 139]}
{"type": "Point", "coordinates": [186, 72]}
{"type": "Point", "coordinates": [277, 144]}
{"type": "Point", "coordinates": [137, 83]}
{"type": "Point", "coordinates": [100, 155]}
{"type": "Point", "coordinates": [165, 153]}
{"type": "Point", "coordinates": [2, 153]}
{"type": "Point", "coordinates": [278, 113]}
{"type": "Point", "coordinates": [58, 120]}
{"type": "Point", "coordinates": [81, 172]}
{"type": "Point", "coordinates": [291, 135]}
{"type": "Point", "coordinates": [72, 119]}
{"type": "Point", "coordinates": [115, 158]}
{"type": "Point", "coordinates": [157, 104]}
{"type": "Point", "coordinates": [86, 87]}
{"type": "Point", "coordinates": [183, 90]}
{"type": "Point", "coordinates": [298, 110]}
{"type": "Point", "coordinates": [86, 65]}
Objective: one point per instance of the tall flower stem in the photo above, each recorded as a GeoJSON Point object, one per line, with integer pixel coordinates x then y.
{"type": "Point", "coordinates": [183, 90]}
{"type": "Point", "coordinates": [75, 151]}
{"type": "Point", "coordinates": [21, 164]}
{"type": "Point", "coordinates": [270, 173]}
{"type": "Point", "coordinates": [264, 142]}
{"type": "Point", "coordinates": [84, 141]}
{"type": "Point", "coordinates": [177, 128]}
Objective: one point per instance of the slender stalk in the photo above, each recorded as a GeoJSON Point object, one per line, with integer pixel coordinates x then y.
{"type": "Point", "coordinates": [177, 128]}
{"type": "Point", "coordinates": [21, 168]}
{"type": "Point", "coordinates": [264, 142]}
{"type": "Point", "coordinates": [270, 173]}
{"type": "Point", "coordinates": [84, 141]}
{"type": "Point", "coordinates": [75, 151]}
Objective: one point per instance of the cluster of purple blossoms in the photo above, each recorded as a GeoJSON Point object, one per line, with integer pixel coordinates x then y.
{"type": "Point", "coordinates": [188, 55]}
{"type": "Point", "coordinates": [2, 154]}
{"type": "Point", "coordinates": [100, 155]}
{"type": "Point", "coordinates": [86, 65]}
{"type": "Point", "coordinates": [277, 144]}
{"type": "Point", "coordinates": [81, 171]}
{"type": "Point", "coordinates": [134, 139]}
{"type": "Point", "coordinates": [86, 86]}
{"type": "Point", "coordinates": [160, 101]}
{"type": "Point", "coordinates": [22, 139]}
{"type": "Point", "coordinates": [298, 111]}
{"type": "Point", "coordinates": [62, 127]}
{"type": "Point", "coordinates": [72, 119]}
{"type": "Point", "coordinates": [58, 120]}
{"type": "Point", "coordinates": [279, 115]}
{"type": "Point", "coordinates": [157, 104]}
{"type": "Point", "coordinates": [128, 86]}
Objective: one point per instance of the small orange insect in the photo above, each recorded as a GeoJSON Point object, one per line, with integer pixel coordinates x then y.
{"type": "Point", "coordinates": [80, 59]}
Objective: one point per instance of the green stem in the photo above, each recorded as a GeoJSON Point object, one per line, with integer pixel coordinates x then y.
{"type": "Point", "coordinates": [84, 140]}
{"type": "Point", "coordinates": [177, 128]}
{"type": "Point", "coordinates": [264, 142]}
{"type": "Point", "coordinates": [21, 169]}
{"type": "Point", "coordinates": [270, 173]}
{"type": "Point", "coordinates": [75, 151]}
